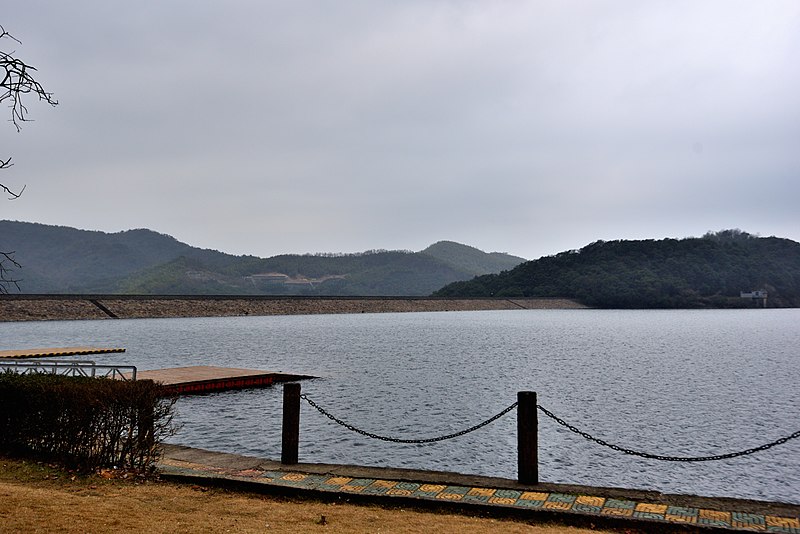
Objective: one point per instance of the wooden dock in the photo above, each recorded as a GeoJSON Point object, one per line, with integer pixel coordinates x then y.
{"type": "Point", "coordinates": [63, 351]}
{"type": "Point", "coordinates": [206, 379]}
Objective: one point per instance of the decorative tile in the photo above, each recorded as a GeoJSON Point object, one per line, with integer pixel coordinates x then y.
{"type": "Point", "coordinates": [681, 518]}
{"type": "Point", "coordinates": [534, 496]}
{"type": "Point", "coordinates": [648, 515]}
{"type": "Point", "coordinates": [384, 484]}
{"type": "Point", "coordinates": [748, 521]}
{"type": "Point", "coordinates": [294, 477]}
{"type": "Point", "coordinates": [502, 500]}
{"type": "Point", "coordinates": [561, 497]}
{"type": "Point", "coordinates": [619, 503]}
{"type": "Point", "coordinates": [483, 492]}
{"type": "Point", "coordinates": [660, 509]}
{"type": "Point", "coordinates": [714, 517]}
{"type": "Point", "coordinates": [450, 496]}
{"type": "Point", "coordinates": [407, 486]}
{"type": "Point", "coordinates": [553, 505]}
{"type": "Point", "coordinates": [353, 489]}
{"type": "Point", "coordinates": [508, 494]}
{"type": "Point", "coordinates": [338, 481]}
{"type": "Point", "coordinates": [623, 512]}
{"type": "Point", "coordinates": [587, 500]}
{"type": "Point", "coordinates": [399, 492]}
{"type": "Point", "coordinates": [681, 510]}
{"type": "Point", "coordinates": [783, 522]}
{"type": "Point", "coordinates": [482, 499]}
{"type": "Point", "coordinates": [526, 503]}
{"type": "Point", "coordinates": [461, 490]}
{"type": "Point", "coordinates": [431, 488]}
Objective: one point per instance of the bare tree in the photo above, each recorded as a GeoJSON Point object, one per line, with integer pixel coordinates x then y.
{"type": "Point", "coordinates": [17, 82]}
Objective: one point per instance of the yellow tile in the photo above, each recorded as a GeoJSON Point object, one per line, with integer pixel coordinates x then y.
{"type": "Point", "coordinates": [787, 522]}
{"type": "Point", "coordinates": [384, 483]}
{"type": "Point", "coordinates": [450, 496]}
{"type": "Point", "coordinates": [396, 491]}
{"type": "Point", "coordinates": [534, 496]}
{"type": "Point", "coordinates": [557, 505]}
{"type": "Point", "coordinates": [481, 492]}
{"type": "Point", "coordinates": [338, 481]}
{"type": "Point", "coordinates": [296, 477]}
{"type": "Point", "coordinates": [431, 488]}
{"type": "Point", "coordinates": [680, 518]}
{"type": "Point", "coordinates": [715, 515]}
{"type": "Point", "coordinates": [651, 508]}
{"type": "Point", "coordinates": [748, 526]}
{"type": "Point", "coordinates": [617, 511]}
{"type": "Point", "coordinates": [502, 500]}
{"type": "Point", "coordinates": [354, 489]}
{"type": "Point", "coordinates": [590, 501]}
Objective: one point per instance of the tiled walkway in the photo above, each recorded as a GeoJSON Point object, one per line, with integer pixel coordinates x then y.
{"type": "Point", "coordinates": [582, 504]}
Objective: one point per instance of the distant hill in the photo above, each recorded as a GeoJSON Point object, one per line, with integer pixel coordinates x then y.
{"type": "Point", "coordinates": [58, 259]}
{"type": "Point", "coordinates": [710, 271]}
{"type": "Point", "coordinates": [471, 259]}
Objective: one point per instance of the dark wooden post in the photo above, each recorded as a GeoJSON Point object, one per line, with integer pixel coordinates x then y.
{"type": "Point", "coordinates": [291, 423]}
{"type": "Point", "coordinates": [527, 438]}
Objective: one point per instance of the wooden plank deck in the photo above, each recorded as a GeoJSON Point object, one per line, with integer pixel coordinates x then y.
{"type": "Point", "coordinates": [207, 378]}
{"type": "Point", "coordinates": [60, 351]}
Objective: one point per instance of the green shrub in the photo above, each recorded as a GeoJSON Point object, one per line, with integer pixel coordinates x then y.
{"type": "Point", "coordinates": [83, 423]}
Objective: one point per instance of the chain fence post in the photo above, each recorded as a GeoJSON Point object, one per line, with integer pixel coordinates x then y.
{"type": "Point", "coordinates": [290, 433]}
{"type": "Point", "coordinates": [527, 438]}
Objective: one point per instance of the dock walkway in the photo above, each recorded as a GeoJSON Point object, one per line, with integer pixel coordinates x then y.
{"type": "Point", "coordinates": [208, 378]}
{"type": "Point", "coordinates": [645, 511]}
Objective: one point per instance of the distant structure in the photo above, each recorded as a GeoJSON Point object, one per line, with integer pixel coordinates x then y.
{"type": "Point", "coordinates": [759, 295]}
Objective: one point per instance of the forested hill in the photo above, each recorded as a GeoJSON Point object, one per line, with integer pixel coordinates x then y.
{"type": "Point", "coordinates": [57, 259]}
{"type": "Point", "coordinates": [710, 271]}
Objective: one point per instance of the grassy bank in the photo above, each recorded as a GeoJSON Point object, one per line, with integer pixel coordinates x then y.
{"type": "Point", "coordinates": [36, 497]}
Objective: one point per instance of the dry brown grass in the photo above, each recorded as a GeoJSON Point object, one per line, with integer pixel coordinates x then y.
{"type": "Point", "coordinates": [40, 498]}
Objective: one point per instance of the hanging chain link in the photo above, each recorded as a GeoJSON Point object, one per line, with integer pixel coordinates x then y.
{"type": "Point", "coordinates": [666, 458]}
{"type": "Point", "coordinates": [560, 422]}
{"type": "Point", "coordinates": [398, 440]}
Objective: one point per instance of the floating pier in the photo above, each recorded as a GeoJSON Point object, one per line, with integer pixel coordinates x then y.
{"type": "Point", "coordinates": [63, 351]}
{"type": "Point", "coordinates": [206, 379]}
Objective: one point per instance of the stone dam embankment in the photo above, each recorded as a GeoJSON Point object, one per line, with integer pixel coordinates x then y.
{"type": "Point", "coordinates": [80, 307]}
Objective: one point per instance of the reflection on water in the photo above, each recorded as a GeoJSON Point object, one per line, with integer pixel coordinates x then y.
{"type": "Point", "coordinates": [681, 383]}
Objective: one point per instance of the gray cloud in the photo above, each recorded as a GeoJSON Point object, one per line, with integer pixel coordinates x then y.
{"type": "Point", "coordinates": [271, 127]}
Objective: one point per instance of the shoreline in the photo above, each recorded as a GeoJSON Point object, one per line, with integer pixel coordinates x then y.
{"type": "Point", "coordinates": [18, 308]}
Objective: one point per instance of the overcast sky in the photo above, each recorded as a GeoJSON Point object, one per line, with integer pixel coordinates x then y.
{"type": "Point", "coordinates": [530, 127]}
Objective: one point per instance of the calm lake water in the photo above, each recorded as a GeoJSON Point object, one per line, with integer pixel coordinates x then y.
{"type": "Point", "coordinates": [683, 383]}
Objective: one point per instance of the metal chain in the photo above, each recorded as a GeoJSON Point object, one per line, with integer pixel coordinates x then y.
{"type": "Point", "coordinates": [397, 440]}
{"type": "Point", "coordinates": [667, 458]}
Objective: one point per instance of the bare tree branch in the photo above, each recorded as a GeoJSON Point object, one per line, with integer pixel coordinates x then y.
{"type": "Point", "coordinates": [16, 82]}
{"type": "Point", "coordinates": [7, 265]}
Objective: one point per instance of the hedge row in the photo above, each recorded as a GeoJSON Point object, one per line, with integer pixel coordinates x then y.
{"type": "Point", "coordinates": [84, 423]}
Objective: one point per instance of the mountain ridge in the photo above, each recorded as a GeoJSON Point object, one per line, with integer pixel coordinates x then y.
{"type": "Point", "coordinates": [62, 259]}
{"type": "Point", "coordinates": [709, 271]}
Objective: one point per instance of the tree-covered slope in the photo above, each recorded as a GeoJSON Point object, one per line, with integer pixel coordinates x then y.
{"type": "Point", "coordinates": [692, 272]}
{"type": "Point", "coordinates": [58, 259]}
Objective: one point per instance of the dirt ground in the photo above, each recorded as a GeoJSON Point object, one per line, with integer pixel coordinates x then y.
{"type": "Point", "coordinates": [36, 497]}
